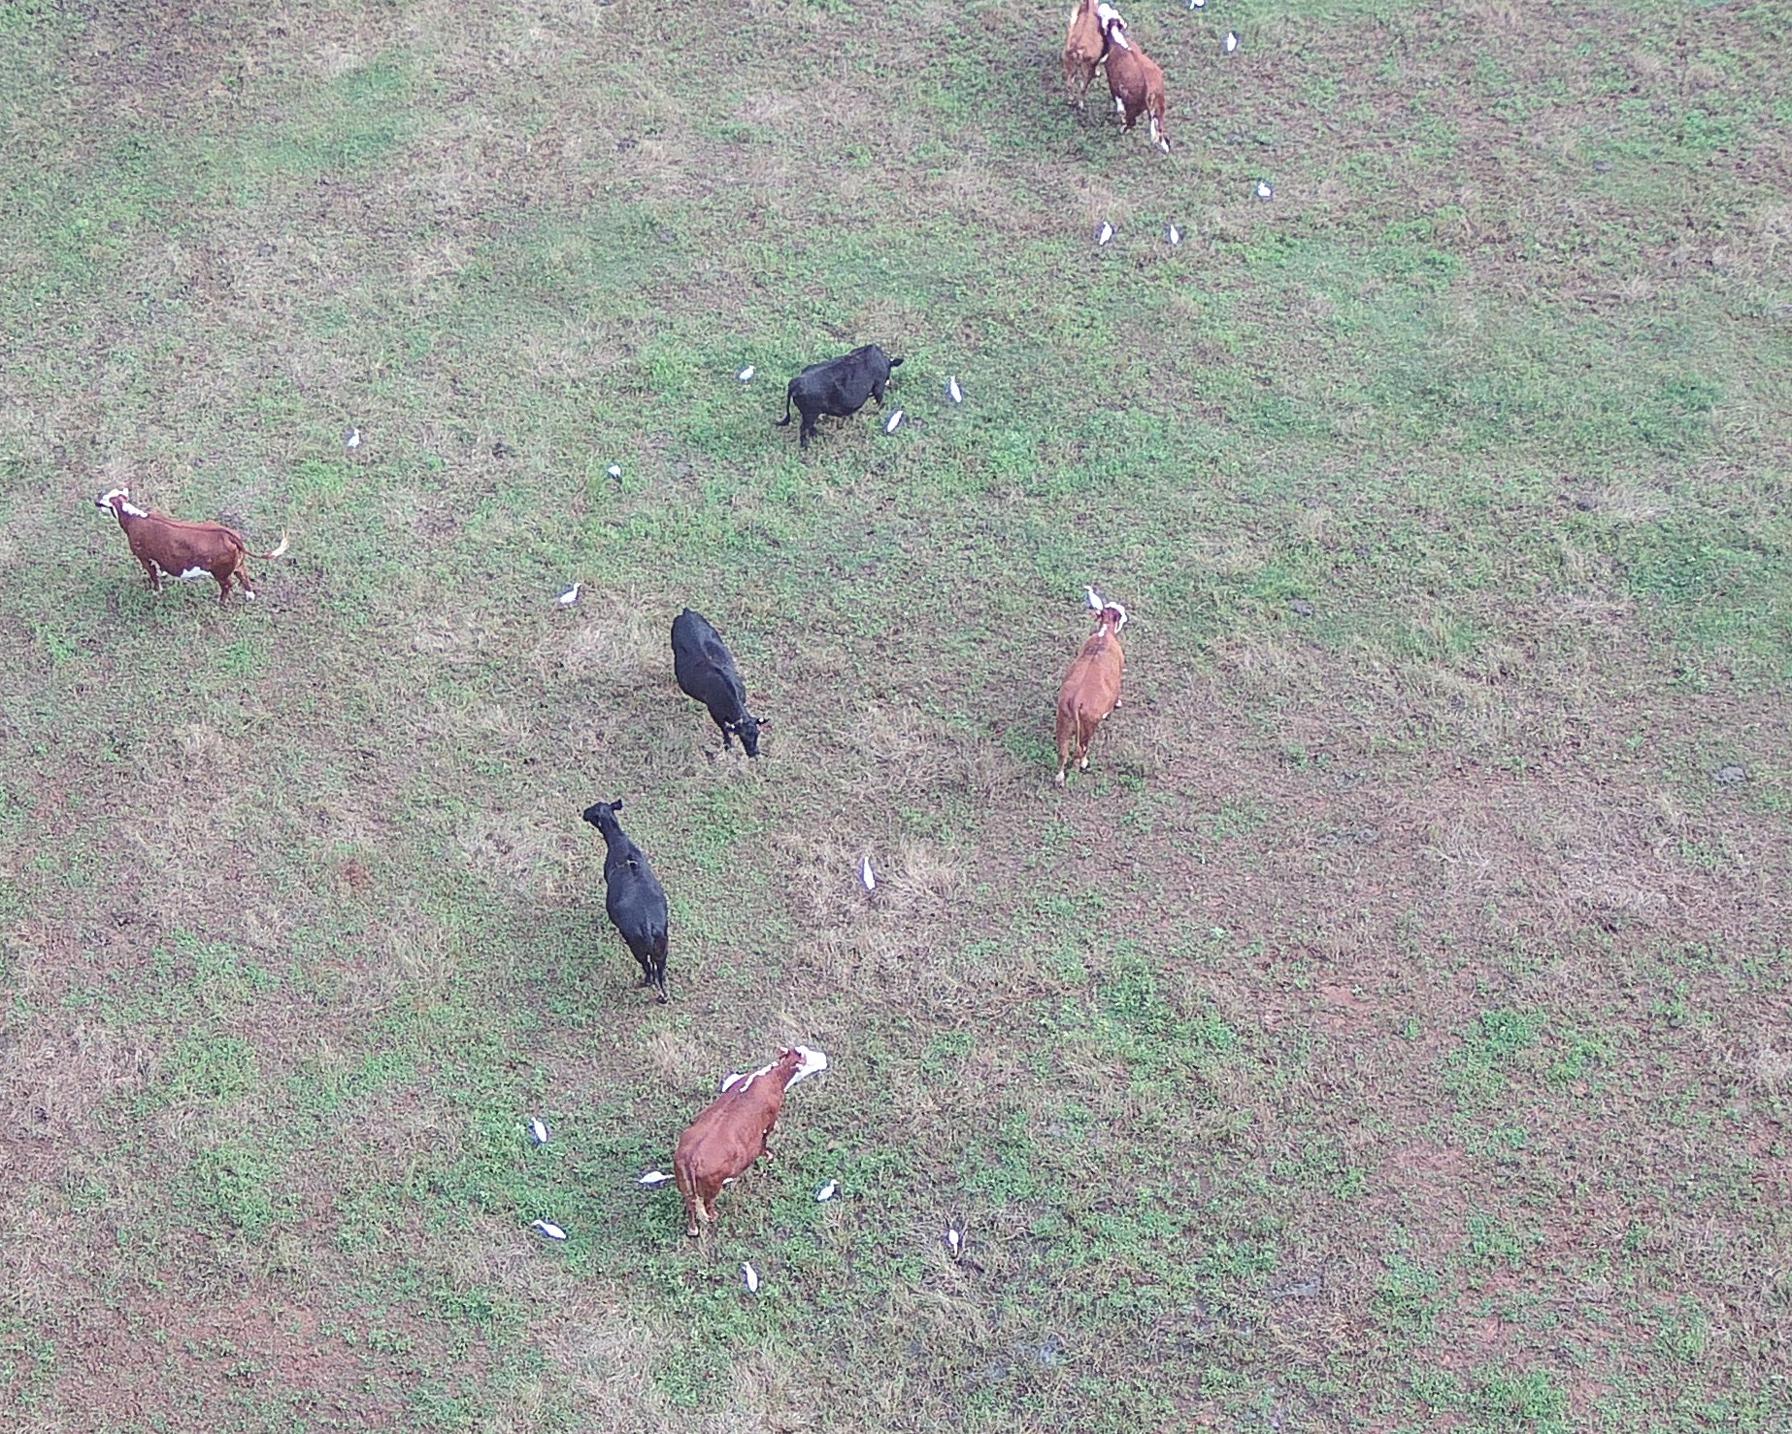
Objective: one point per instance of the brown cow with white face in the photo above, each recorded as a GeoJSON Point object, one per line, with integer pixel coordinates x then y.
{"type": "Point", "coordinates": [1092, 686]}
{"type": "Point", "coordinates": [1134, 79]}
{"type": "Point", "coordinates": [167, 547]}
{"type": "Point", "coordinates": [734, 1130]}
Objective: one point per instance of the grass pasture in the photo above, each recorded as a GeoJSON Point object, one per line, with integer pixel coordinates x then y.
{"type": "Point", "coordinates": [1388, 1033]}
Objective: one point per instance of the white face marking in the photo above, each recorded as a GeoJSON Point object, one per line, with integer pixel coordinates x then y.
{"type": "Point", "coordinates": [813, 1061]}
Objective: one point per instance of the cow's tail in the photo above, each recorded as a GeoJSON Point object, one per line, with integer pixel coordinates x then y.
{"type": "Point", "coordinates": [274, 554]}
{"type": "Point", "coordinates": [784, 422]}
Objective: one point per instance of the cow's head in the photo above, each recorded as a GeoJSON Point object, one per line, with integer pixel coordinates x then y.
{"type": "Point", "coordinates": [1115, 614]}
{"type": "Point", "coordinates": [602, 815]}
{"type": "Point", "coordinates": [107, 503]}
{"type": "Point", "coordinates": [1113, 24]}
{"type": "Point", "coordinates": [802, 1062]}
{"type": "Point", "coordinates": [748, 730]}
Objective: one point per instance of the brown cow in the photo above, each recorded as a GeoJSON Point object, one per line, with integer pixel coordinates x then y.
{"type": "Point", "coordinates": [167, 546]}
{"type": "Point", "coordinates": [734, 1130]}
{"type": "Point", "coordinates": [1092, 686]}
{"type": "Point", "coordinates": [1134, 79]}
{"type": "Point", "coordinates": [1084, 48]}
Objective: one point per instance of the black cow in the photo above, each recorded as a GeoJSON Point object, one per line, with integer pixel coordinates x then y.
{"type": "Point", "coordinates": [838, 387]}
{"type": "Point", "coordinates": [633, 897]}
{"type": "Point", "coordinates": [705, 670]}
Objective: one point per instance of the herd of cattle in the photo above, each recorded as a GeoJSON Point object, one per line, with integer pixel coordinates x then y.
{"type": "Point", "coordinates": [734, 1130]}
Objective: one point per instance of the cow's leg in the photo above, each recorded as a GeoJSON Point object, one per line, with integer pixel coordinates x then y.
{"type": "Point", "coordinates": [242, 582]}
{"type": "Point", "coordinates": [877, 391]}
{"type": "Point", "coordinates": [1064, 741]}
{"type": "Point", "coordinates": [659, 980]}
{"type": "Point", "coordinates": [155, 576]}
{"type": "Point", "coordinates": [223, 589]}
{"type": "Point", "coordinates": [808, 430]}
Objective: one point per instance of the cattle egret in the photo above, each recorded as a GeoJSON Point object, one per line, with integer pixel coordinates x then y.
{"type": "Point", "coordinates": [867, 877]}
{"type": "Point", "coordinates": [1096, 604]}
{"type": "Point", "coordinates": [1197, 4]}
{"type": "Point", "coordinates": [746, 374]}
{"type": "Point", "coordinates": [1105, 233]}
{"type": "Point", "coordinates": [826, 1193]}
{"type": "Point", "coordinates": [551, 1231]}
{"type": "Point", "coordinates": [893, 422]}
{"type": "Point", "coordinates": [1230, 43]}
{"type": "Point", "coordinates": [570, 596]}
{"type": "Point", "coordinates": [654, 1177]}
{"type": "Point", "coordinates": [953, 391]}
{"type": "Point", "coordinates": [1173, 235]}
{"type": "Point", "coordinates": [615, 471]}
{"type": "Point", "coordinates": [955, 1240]}
{"type": "Point", "coordinates": [538, 1132]}
{"type": "Point", "coordinates": [750, 1278]}
{"type": "Point", "coordinates": [352, 439]}
{"type": "Point", "coordinates": [1265, 190]}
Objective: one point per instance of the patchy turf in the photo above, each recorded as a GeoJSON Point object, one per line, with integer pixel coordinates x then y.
{"type": "Point", "coordinates": [1387, 1033]}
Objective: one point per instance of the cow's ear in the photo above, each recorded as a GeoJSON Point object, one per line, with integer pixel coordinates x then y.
{"type": "Point", "coordinates": [763, 722]}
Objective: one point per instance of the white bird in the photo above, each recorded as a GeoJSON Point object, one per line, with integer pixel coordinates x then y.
{"type": "Point", "coordinates": [1197, 4]}
{"type": "Point", "coordinates": [953, 391]}
{"type": "Point", "coordinates": [750, 1278]}
{"type": "Point", "coordinates": [1095, 602]}
{"type": "Point", "coordinates": [538, 1132]}
{"type": "Point", "coordinates": [1230, 43]}
{"type": "Point", "coordinates": [570, 596]}
{"type": "Point", "coordinates": [615, 471]}
{"type": "Point", "coordinates": [553, 1232]}
{"type": "Point", "coordinates": [1105, 233]}
{"type": "Point", "coordinates": [745, 374]}
{"type": "Point", "coordinates": [1265, 190]}
{"type": "Point", "coordinates": [352, 439]}
{"type": "Point", "coordinates": [826, 1192]}
{"type": "Point", "coordinates": [893, 422]}
{"type": "Point", "coordinates": [867, 878]}
{"type": "Point", "coordinates": [954, 1240]}
{"type": "Point", "coordinates": [654, 1177]}
{"type": "Point", "coordinates": [1173, 234]}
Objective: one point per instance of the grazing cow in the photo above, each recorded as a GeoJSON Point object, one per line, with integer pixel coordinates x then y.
{"type": "Point", "coordinates": [1085, 46]}
{"type": "Point", "coordinates": [705, 670]}
{"type": "Point", "coordinates": [633, 897]}
{"type": "Point", "coordinates": [838, 387]}
{"type": "Point", "coordinates": [1135, 80]}
{"type": "Point", "coordinates": [734, 1130]}
{"type": "Point", "coordinates": [1092, 686]}
{"type": "Point", "coordinates": [168, 547]}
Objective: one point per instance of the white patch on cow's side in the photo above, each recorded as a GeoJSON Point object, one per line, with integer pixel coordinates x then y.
{"type": "Point", "coordinates": [191, 573]}
{"type": "Point", "coordinates": [813, 1061]}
